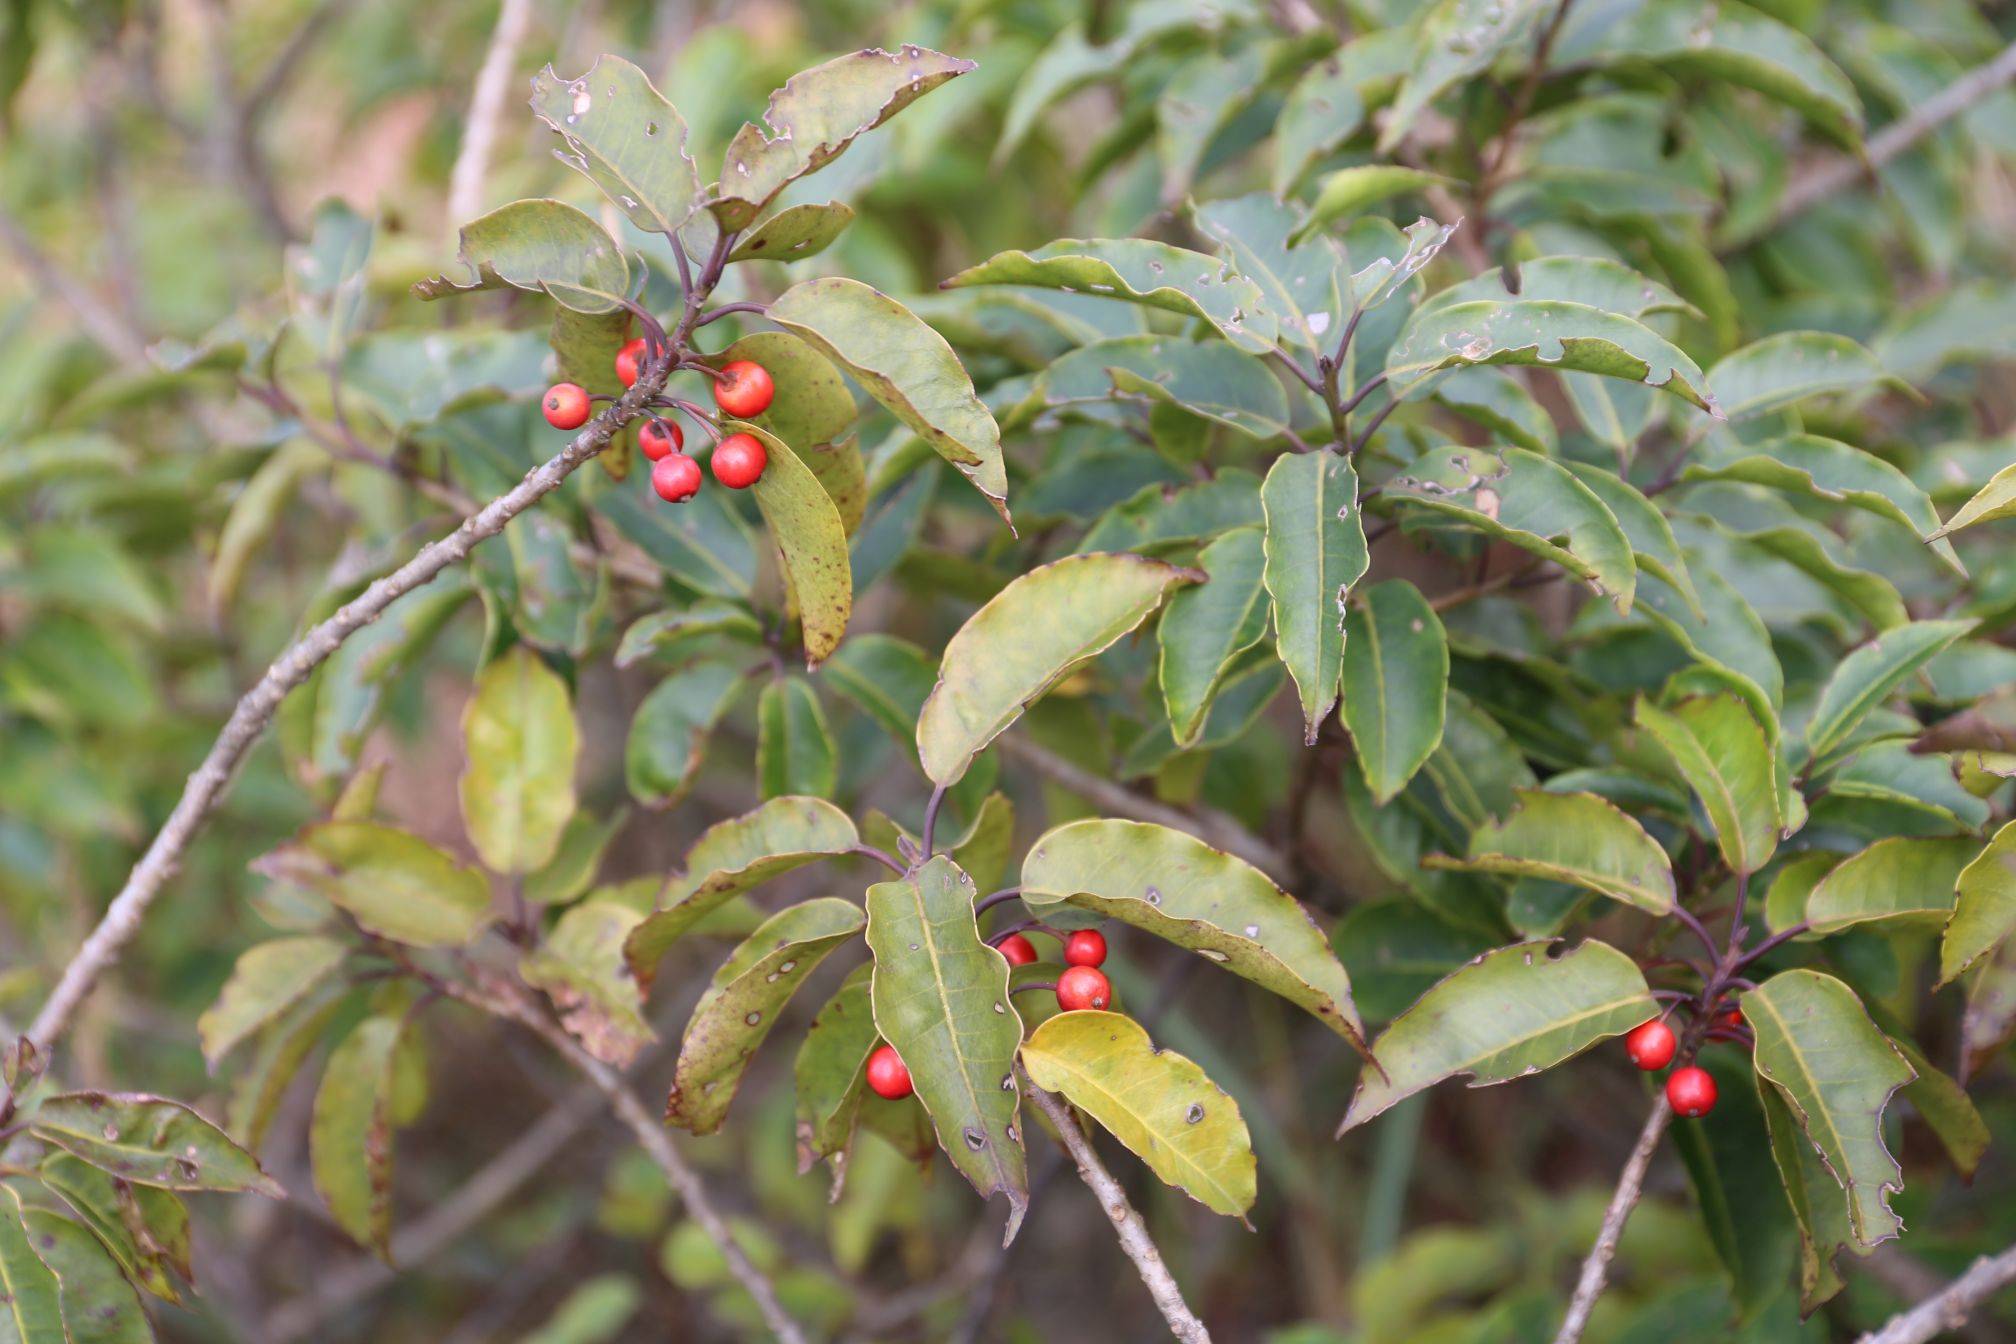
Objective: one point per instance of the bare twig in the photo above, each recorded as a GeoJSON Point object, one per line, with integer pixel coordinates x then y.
{"type": "Point", "coordinates": [1596, 1268]}
{"type": "Point", "coordinates": [1900, 135]}
{"type": "Point", "coordinates": [1127, 1224]}
{"type": "Point", "coordinates": [486, 109]}
{"type": "Point", "coordinates": [1948, 1309]}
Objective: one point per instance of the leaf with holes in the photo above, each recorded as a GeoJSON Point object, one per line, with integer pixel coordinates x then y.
{"type": "Point", "coordinates": [1306, 285]}
{"type": "Point", "coordinates": [517, 788]}
{"type": "Point", "coordinates": [1546, 333]}
{"type": "Point", "coordinates": [1315, 550]}
{"type": "Point", "coordinates": [625, 138]}
{"type": "Point", "coordinates": [1396, 682]}
{"type": "Point", "coordinates": [795, 233]}
{"type": "Point", "coordinates": [148, 1141]}
{"type": "Point", "coordinates": [545, 246]}
{"type": "Point", "coordinates": [1576, 838]}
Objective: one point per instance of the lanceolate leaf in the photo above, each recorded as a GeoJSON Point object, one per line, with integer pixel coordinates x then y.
{"type": "Point", "coordinates": [1396, 683]}
{"type": "Point", "coordinates": [392, 882]}
{"type": "Point", "coordinates": [540, 245]}
{"type": "Point", "coordinates": [906, 366]}
{"type": "Point", "coordinates": [1023, 641]}
{"type": "Point", "coordinates": [1724, 754]}
{"type": "Point", "coordinates": [732, 857]}
{"type": "Point", "coordinates": [1206, 626]}
{"type": "Point", "coordinates": [741, 1005]}
{"type": "Point", "coordinates": [815, 116]}
{"type": "Point", "coordinates": [831, 1075]}
{"type": "Point", "coordinates": [1837, 1071]}
{"type": "Point", "coordinates": [350, 1133]}
{"type": "Point", "coordinates": [1206, 378]}
{"type": "Point", "coordinates": [579, 964]}
{"type": "Point", "coordinates": [1547, 333]}
{"type": "Point", "coordinates": [1162, 1106]}
{"type": "Point", "coordinates": [673, 629]}
{"type": "Point", "coordinates": [1984, 911]}
{"type": "Point", "coordinates": [812, 539]}
{"type": "Point", "coordinates": [1509, 1013]}
{"type": "Point", "coordinates": [1896, 878]}
{"type": "Point", "coordinates": [887, 677]}
{"type": "Point", "coordinates": [518, 785]}
{"type": "Point", "coordinates": [1315, 550]}
{"type": "Point", "coordinates": [1866, 677]}
{"type": "Point", "coordinates": [148, 1141]}
{"type": "Point", "coordinates": [269, 979]}
{"type": "Point", "coordinates": [622, 134]}
{"type": "Point", "coordinates": [1181, 889]}
{"type": "Point", "coordinates": [99, 1306]}
{"type": "Point", "coordinates": [941, 999]}
{"type": "Point", "coordinates": [1576, 838]}
{"type": "Point", "coordinates": [1828, 470]}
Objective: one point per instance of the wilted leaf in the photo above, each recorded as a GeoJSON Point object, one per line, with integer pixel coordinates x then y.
{"type": "Point", "coordinates": [517, 788]}
{"type": "Point", "coordinates": [1576, 838]}
{"type": "Point", "coordinates": [1315, 550]}
{"type": "Point", "coordinates": [579, 963]}
{"type": "Point", "coordinates": [1396, 682]}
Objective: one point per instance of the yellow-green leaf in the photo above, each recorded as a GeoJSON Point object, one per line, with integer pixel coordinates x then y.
{"type": "Point", "coordinates": [1900, 877]}
{"type": "Point", "coordinates": [148, 1141]}
{"type": "Point", "coordinates": [270, 978]}
{"type": "Point", "coordinates": [391, 881]}
{"type": "Point", "coordinates": [579, 964]}
{"type": "Point", "coordinates": [1984, 909]}
{"type": "Point", "coordinates": [518, 785]}
{"type": "Point", "coordinates": [1577, 838]}
{"type": "Point", "coordinates": [350, 1131]}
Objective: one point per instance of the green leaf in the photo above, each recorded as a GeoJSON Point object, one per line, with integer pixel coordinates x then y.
{"type": "Point", "coordinates": [1179, 888]}
{"type": "Point", "coordinates": [1837, 1072]}
{"type": "Point", "coordinates": [1208, 625]}
{"type": "Point", "coordinates": [1802, 545]}
{"type": "Point", "coordinates": [671, 630]}
{"type": "Point", "coordinates": [1396, 683]}
{"type": "Point", "coordinates": [1897, 877]}
{"type": "Point", "coordinates": [795, 753]}
{"type": "Point", "coordinates": [1818, 1206]}
{"type": "Point", "coordinates": [579, 964]}
{"type": "Point", "coordinates": [148, 1141]}
{"type": "Point", "coordinates": [30, 1308]}
{"type": "Point", "coordinates": [1496, 399]}
{"type": "Point", "coordinates": [735, 856]}
{"type": "Point", "coordinates": [1984, 908]}
{"type": "Point", "coordinates": [1137, 270]}
{"type": "Point", "coordinates": [831, 1076]}
{"type": "Point", "coordinates": [1315, 550]}
{"type": "Point", "coordinates": [941, 999]}
{"type": "Point", "coordinates": [545, 246]}
{"type": "Point", "coordinates": [1789, 367]}
{"type": "Point", "coordinates": [392, 882]}
{"type": "Point", "coordinates": [1305, 285]}
{"type": "Point", "coordinates": [123, 1217]}
{"type": "Point", "coordinates": [1206, 378]}
{"type": "Point", "coordinates": [812, 405]}
{"type": "Point", "coordinates": [741, 1005]}
{"type": "Point", "coordinates": [1453, 41]}
{"type": "Point", "coordinates": [1509, 1013]}
{"type": "Point", "coordinates": [518, 787]}
{"type": "Point", "coordinates": [1593, 282]}
{"type": "Point", "coordinates": [1530, 501]}
{"type": "Point", "coordinates": [669, 733]}
{"type": "Point", "coordinates": [1995, 500]}
{"type": "Point", "coordinates": [1396, 949]}
{"type": "Point", "coordinates": [350, 1132]}
{"type": "Point", "coordinates": [1729, 1164]}
{"type": "Point", "coordinates": [1331, 102]}
{"type": "Point", "coordinates": [574, 865]}
{"type": "Point", "coordinates": [1159, 1104]}
{"type": "Point", "coordinates": [809, 535]}
{"type": "Point", "coordinates": [815, 116]}
{"type": "Point", "coordinates": [1157, 518]}
{"type": "Point", "coordinates": [1946, 1109]}
{"type": "Point", "coordinates": [1833, 472]}
{"type": "Point", "coordinates": [1206, 94]}
{"type": "Point", "coordinates": [1725, 755]}
{"type": "Point", "coordinates": [98, 1305]}
{"type": "Point", "coordinates": [262, 1081]}
{"type": "Point", "coordinates": [625, 138]}
{"type": "Point", "coordinates": [1025, 640]}
{"type": "Point", "coordinates": [270, 978]}
{"type": "Point", "coordinates": [1867, 676]}
{"type": "Point", "coordinates": [795, 233]}
{"type": "Point", "coordinates": [255, 515]}
{"type": "Point", "coordinates": [1653, 546]}
{"type": "Point", "coordinates": [887, 677]}
{"type": "Point", "coordinates": [1576, 838]}
{"type": "Point", "coordinates": [1547, 333]}
{"type": "Point", "coordinates": [1348, 191]}
{"type": "Point", "coordinates": [906, 366]}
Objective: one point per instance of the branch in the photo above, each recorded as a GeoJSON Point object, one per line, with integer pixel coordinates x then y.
{"type": "Point", "coordinates": [486, 109]}
{"type": "Point", "coordinates": [1947, 1309]}
{"type": "Point", "coordinates": [248, 720]}
{"type": "Point", "coordinates": [1127, 1224]}
{"type": "Point", "coordinates": [1900, 135]}
{"type": "Point", "coordinates": [1596, 1268]}
{"type": "Point", "coordinates": [1214, 828]}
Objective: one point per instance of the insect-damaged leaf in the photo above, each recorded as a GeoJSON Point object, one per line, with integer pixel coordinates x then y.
{"type": "Point", "coordinates": [350, 1132]}
{"type": "Point", "coordinates": [544, 246]}
{"type": "Point", "coordinates": [1576, 838]}
{"type": "Point", "coordinates": [144, 1229]}
{"type": "Point", "coordinates": [517, 788]}
{"type": "Point", "coordinates": [1509, 1013]}
{"type": "Point", "coordinates": [831, 1076]}
{"type": "Point", "coordinates": [941, 999]}
{"type": "Point", "coordinates": [906, 366]}
{"type": "Point", "coordinates": [1396, 683]}
{"type": "Point", "coordinates": [732, 857]}
{"type": "Point", "coordinates": [795, 233]}
{"type": "Point", "coordinates": [148, 1141]}
{"type": "Point", "coordinates": [622, 134]}
{"type": "Point", "coordinates": [815, 116]}
{"type": "Point", "coordinates": [1837, 1072]}
{"type": "Point", "coordinates": [1181, 889]}
{"type": "Point", "coordinates": [1158, 1103]}
{"type": "Point", "coordinates": [1315, 550]}
{"type": "Point", "coordinates": [808, 532]}
{"type": "Point", "coordinates": [580, 965]}
{"type": "Point", "coordinates": [740, 1007]}
{"type": "Point", "coordinates": [1023, 642]}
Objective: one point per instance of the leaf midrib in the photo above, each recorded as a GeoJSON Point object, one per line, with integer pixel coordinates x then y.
{"type": "Point", "coordinates": [1201, 1176]}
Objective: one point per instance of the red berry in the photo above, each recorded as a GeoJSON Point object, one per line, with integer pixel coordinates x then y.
{"type": "Point", "coordinates": [1691, 1090]}
{"type": "Point", "coordinates": [1083, 987]}
{"type": "Point", "coordinates": [627, 360]}
{"type": "Point", "coordinates": [1731, 1016]}
{"type": "Point", "coordinates": [660, 438]}
{"type": "Point", "coordinates": [744, 389]}
{"type": "Point", "coordinates": [1085, 947]}
{"type": "Point", "coordinates": [1651, 1045]}
{"type": "Point", "coordinates": [566, 406]}
{"type": "Point", "coordinates": [1019, 950]}
{"type": "Point", "coordinates": [739, 461]}
{"type": "Point", "coordinates": [676, 478]}
{"type": "Point", "coordinates": [888, 1075]}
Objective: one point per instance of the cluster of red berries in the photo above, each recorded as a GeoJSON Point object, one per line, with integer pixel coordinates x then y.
{"type": "Point", "coordinates": [1082, 986]}
{"type": "Point", "coordinates": [742, 389]}
{"type": "Point", "coordinates": [1691, 1090]}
